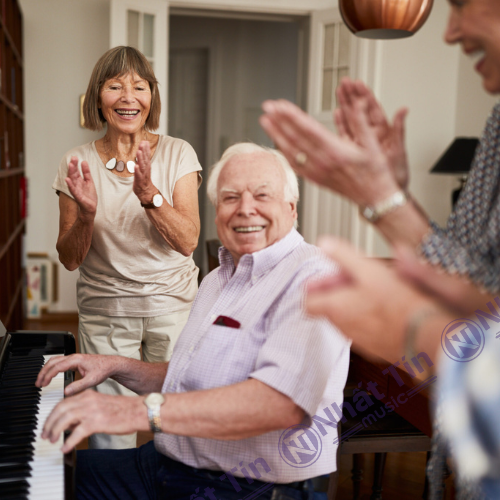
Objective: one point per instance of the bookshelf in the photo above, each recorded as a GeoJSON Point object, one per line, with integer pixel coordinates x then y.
{"type": "Point", "coordinates": [12, 177]}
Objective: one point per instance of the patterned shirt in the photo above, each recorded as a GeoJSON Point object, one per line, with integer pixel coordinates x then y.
{"type": "Point", "coordinates": [302, 357]}
{"type": "Point", "coordinates": [469, 245]}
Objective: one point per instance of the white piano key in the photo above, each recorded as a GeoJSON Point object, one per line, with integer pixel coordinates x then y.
{"type": "Point", "coordinates": [47, 476]}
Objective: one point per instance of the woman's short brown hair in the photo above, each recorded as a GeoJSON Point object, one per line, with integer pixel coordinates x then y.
{"type": "Point", "coordinates": [118, 62]}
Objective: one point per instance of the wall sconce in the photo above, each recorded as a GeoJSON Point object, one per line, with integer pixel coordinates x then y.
{"type": "Point", "coordinates": [385, 19]}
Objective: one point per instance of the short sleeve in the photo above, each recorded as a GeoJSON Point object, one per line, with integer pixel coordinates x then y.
{"type": "Point", "coordinates": [189, 162]}
{"type": "Point", "coordinates": [301, 352]}
{"type": "Point", "coordinates": [59, 184]}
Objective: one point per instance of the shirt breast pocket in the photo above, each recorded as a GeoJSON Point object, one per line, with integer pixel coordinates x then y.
{"type": "Point", "coordinates": [224, 356]}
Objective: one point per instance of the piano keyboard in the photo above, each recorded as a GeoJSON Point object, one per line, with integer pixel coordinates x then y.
{"type": "Point", "coordinates": [30, 467]}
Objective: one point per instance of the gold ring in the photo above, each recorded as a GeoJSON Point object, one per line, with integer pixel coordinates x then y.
{"type": "Point", "coordinates": [300, 158]}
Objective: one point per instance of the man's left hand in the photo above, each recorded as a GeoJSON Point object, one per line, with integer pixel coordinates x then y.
{"type": "Point", "coordinates": [90, 412]}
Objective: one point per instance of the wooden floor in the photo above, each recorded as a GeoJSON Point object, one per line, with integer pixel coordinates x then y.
{"type": "Point", "coordinates": [404, 472]}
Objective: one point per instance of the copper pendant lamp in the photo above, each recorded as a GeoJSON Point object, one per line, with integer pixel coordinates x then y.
{"type": "Point", "coordinates": [385, 19]}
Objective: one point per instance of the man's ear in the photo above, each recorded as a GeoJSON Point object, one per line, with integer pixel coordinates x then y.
{"type": "Point", "coordinates": [293, 205]}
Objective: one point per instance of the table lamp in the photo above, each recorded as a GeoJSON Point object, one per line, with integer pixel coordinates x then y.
{"type": "Point", "coordinates": [457, 160]}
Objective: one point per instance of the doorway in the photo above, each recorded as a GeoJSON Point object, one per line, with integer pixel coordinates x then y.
{"type": "Point", "coordinates": [221, 69]}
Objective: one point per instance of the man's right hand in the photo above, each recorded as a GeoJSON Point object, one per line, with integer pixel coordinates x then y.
{"type": "Point", "coordinates": [94, 369]}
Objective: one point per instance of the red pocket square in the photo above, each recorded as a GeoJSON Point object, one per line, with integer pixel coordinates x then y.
{"type": "Point", "coordinates": [226, 321]}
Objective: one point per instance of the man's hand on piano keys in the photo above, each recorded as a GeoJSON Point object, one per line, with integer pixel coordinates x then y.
{"type": "Point", "coordinates": [90, 412]}
{"type": "Point", "coordinates": [93, 368]}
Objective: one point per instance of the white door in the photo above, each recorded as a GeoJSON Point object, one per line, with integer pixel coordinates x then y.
{"type": "Point", "coordinates": [144, 24]}
{"type": "Point", "coordinates": [333, 53]}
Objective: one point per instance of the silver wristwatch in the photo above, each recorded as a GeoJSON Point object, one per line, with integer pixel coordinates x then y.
{"type": "Point", "coordinates": [373, 213]}
{"type": "Point", "coordinates": [153, 402]}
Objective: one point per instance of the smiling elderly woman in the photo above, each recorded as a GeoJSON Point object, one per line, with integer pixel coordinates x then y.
{"type": "Point", "coordinates": [129, 221]}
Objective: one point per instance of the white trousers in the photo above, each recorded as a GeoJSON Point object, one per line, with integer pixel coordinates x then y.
{"type": "Point", "coordinates": [124, 337]}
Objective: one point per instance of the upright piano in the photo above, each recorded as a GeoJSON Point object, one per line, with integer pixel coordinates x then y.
{"type": "Point", "coordinates": [418, 395]}
{"type": "Point", "coordinates": [30, 467]}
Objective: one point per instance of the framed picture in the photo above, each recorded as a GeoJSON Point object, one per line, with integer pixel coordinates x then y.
{"type": "Point", "coordinates": [39, 286]}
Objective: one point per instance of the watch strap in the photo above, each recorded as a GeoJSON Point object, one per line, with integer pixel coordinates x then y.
{"type": "Point", "coordinates": [154, 402]}
{"type": "Point", "coordinates": [154, 419]}
{"type": "Point", "coordinates": [374, 213]}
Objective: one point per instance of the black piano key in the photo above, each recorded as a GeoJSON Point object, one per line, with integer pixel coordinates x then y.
{"type": "Point", "coordinates": [18, 458]}
{"type": "Point", "coordinates": [14, 434]}
{"type": "Point", "coordinates": [22, 394]}
{"type": "Point", "coordinates": [21, 425]}
{"type": "Point", "coordinates": [6, 405]}
{"type": "Point", "coordinates": [17, 438]}
{"type": "Point", "coordinates": [21, 371]}
{"type": "Point", "coordinates": [19, 391]}
{"type": "Point", "coordinates": [12, 450]}
{"type": "Point", "coordinates": [17, 413]}
{"type": "Point", "coordinates": [29, 383]}
{"type": "Point", "coordinates": [12, 485]}
{"type": "Point", "coordinates": [18, 471]}
{"type": "Point", "coordinates": [10, 488]}
{"type": "Point", "coordinates": [7, 424]}
{"type": "Point", "coordinates": [25, 362]}
{"type": "Point", "coordinates": [22, 398]}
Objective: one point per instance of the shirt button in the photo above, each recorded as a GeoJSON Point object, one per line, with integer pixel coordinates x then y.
{"type": "Point", "coordinates": [213, 317]}
{"type": "Point", "coordinates": [254, 278]}
{"type": "Point", "coordinates": [171, 385]}
{"type": "Point", "coordinates": [191, 349]}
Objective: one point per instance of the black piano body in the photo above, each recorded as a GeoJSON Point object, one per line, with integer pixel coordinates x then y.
{"type": "Point", "coordinates": [21, 357]}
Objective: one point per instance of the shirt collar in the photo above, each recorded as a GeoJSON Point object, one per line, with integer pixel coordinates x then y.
{"type": "Point", "coordinates": [264, 260]}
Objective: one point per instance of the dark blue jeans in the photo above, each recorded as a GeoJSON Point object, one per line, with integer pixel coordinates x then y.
{"type": "Point", "coordinates": [143, 473]}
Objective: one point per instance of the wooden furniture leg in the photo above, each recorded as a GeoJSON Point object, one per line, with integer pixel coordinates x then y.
{"type": "Point", "coordinates": [357, 475]}
{"type": "Point", "coordinates": [378, 473]}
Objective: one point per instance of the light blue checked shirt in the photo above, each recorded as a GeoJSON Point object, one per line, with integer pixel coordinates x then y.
{"type": "Point", "coordinates": [304, 358]}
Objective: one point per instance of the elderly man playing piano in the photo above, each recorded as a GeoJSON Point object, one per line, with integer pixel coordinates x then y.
{"type": "Point", "coordinates": [248, 365]}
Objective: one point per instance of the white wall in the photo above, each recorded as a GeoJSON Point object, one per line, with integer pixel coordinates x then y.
{"type": "Point", "coordinates": [62, 41]}
{"type": "Point", "coordinates": [420, 73]}
{"type": "Point", "coordinates": [473, 103]}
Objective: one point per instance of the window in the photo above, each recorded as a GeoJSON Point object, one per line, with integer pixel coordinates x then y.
{"type": "Point", "coordinates": [140, 33]}
{"type": "Point", "coordinates": [336, 61]}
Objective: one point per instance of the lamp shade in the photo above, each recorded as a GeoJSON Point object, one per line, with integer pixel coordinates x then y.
{"type": "Point", "coordinates": [457, 159]}
{"type": "Point", "coordinates": [385, 19]}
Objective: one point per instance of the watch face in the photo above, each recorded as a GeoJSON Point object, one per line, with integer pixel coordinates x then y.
{"type": "Point", "coordinates": [157, 200]}
{"type": "Point", "coordinates": [154, 399]}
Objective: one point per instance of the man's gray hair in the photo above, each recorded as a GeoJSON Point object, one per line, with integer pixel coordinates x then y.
{"type": "Point", "coordinates": [291, 192]}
